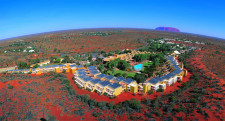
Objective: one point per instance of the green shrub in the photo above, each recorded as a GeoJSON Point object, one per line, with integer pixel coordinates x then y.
{"type": "Point", "coordinates": [10, 86]}
{"type": "Point", "coordinates": [160, 90]}
{"type": "Point", "coordinates": [95, 114]}
{"type": "Point", "coordinates": [150, 92]}
{"type": "Point", "coordinates": [39, 93]}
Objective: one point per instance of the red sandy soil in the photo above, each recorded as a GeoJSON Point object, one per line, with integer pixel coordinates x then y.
{"type": "Point", "coordinates": [125, 95]}
{"type": "Point", "coordinates": [14, 83]}
{"type": "Point", "coordinates": [56, 111]}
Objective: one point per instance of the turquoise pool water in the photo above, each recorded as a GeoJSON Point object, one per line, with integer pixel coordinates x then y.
{"type": "Point", "coordinates": [138, 67]}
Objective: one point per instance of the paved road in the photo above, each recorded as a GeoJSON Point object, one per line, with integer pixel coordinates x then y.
{"type": "Point", "coordinates": [146, 44]}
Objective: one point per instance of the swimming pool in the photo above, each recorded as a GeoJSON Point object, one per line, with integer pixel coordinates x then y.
{"type": "Point", "coordinates": [138, 67]}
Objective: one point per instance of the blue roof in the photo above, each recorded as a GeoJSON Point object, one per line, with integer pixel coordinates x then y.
{"type": "Point", "coordinates": [80, 70]}
{"type": "Point", "coordinates": [155, 80]}
{"type": "Point", "coordinates": [114, 85]}
{"type": "Point", "coordinates": [119, 79]}
{"type": "Point", "coordinates": [62, 65]}
{"type": "Point", "coordinates": [92, 68]}
{"type": "Point", "coordinates": [94, 72]}
{"type": "Point", "coordinates": [104, 83]}
{"type": "Point", "coordinates": [177, 71]}
{"type": "Point", "coordinates": [128, 81]}
{"type": "Point", "coordinates": [94, 55]}
{"type": "Point", "coordinates": [109, 77]}
{"type": "Point", "coordinates": [73, 65]}
{"type": "Point", "coordinates": [79, 66]}
{"type": "Point", "coordinates": [95, 81]}
{"type": "Point", "coordinates": [168, 76]}
{"type": "Point", "coordinates": [50, 66]}
{"type": "Point", "coordinates": [101, 76]}
{"type": "Point", "coordinates": [85, 78]}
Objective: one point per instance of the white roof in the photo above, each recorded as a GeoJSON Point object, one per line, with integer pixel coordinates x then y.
{"type": "Point", "coordinates": [133, 85]}
{"type": "Point", "coordinates": [176, 52]}
{"type": "Point", "coordinates": [31, 50]}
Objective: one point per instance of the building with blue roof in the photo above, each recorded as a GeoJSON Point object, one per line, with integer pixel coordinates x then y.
{"type": "Point", "coordinates": [94, 72]}
{"type": "Point", "coordinates": [157, 83]}
{"type": "Point", "coordinates": [129, 81]}
{"type": "Point", "coordinates": [92, 68]}
{"type": "Point", "coordinates": [91, 85]}
{"type": "Point", "coordinates": [117, 79]}
{"type": "Point", "coordinates": [101, 87]}
{"type": "Point", "coordinates": [82, 80]}
{"type": "Point", "coordinates": [101, 76]}
{"type": "Point", "coordinates": [109, 77]}
{"type": "Point", "coordinates": [113, 89]}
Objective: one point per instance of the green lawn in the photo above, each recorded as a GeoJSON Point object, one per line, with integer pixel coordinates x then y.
{"type": "Point", "coordinates": [131, 74]}
{"type": "Point", "coordinates": [148, 63]}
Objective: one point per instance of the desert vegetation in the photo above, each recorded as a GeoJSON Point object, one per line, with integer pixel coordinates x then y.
{"type": "Point", "coordinates": [51, 96]}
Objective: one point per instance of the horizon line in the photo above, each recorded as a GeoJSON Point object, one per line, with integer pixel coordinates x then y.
{"type": "Point", "coordinates": [5, 39]}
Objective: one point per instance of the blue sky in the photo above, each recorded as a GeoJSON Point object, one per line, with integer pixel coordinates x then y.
{"type": "Point", "coordinates": [23, 17]}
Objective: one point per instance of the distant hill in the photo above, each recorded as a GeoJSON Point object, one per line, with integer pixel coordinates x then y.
{"type": "Point", "coordinates": [168, 29]}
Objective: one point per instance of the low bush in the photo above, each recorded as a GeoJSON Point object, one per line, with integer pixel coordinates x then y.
{"type": "Point", "coordinates": [10, 86]}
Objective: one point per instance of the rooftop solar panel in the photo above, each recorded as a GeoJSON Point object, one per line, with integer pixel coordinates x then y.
{"type": "Point", "coordinates": [128, 81]}
{"type": "Point", "coordinates": [95, 81]}
{"type": "Point", "coordinates": [109, 77]}
{"type": "Point", "coordinates": [104, 83]}
{"type": "Point", "coordinates": [114, 85]}
{"type": "Point", "coordinates": [101, 76]}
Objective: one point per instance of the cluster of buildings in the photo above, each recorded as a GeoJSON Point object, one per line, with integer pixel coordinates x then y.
{"type": "Point", "coordinates": [41, 63]}
{"type": "Point", "coordinates": [126, 57]}
{"type": "Point", "coordinates": [92, 79]}
{"type": "Point", "coordinates": [176, 74]}
{"type": "Point", "coordinates": [69, 67]}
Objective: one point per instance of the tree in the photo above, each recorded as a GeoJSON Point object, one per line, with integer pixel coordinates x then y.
{"type": "Point", "coordinates": [37, 60]}
{"type": "Point", "coordinates": [140, 78]}
{"type": "Point", "coordinates": [10, 86]}
{"type": "Point", "coordinates": [141, 57]}
{"type": "Point", "coordinates": [36, 66]}
{"type": "Point", "coordinates": [101, 67]}
{"type": "Point", "coordinates": [58, 60]}
{"type": "Point", "coordinates": [55, 49]}
{"type": "Point", "coordinates": [135, 104]}
{"type": "Point", "coordinates": [52, 59]}
{"type": "Point", "coordinates": [90, 58]}
{"type": "Point", "coordinates": [66, 59]}
{"type": "Point", "coordinates": [156, 62]}
{"type": "Point", "coordinates": [117, 52]}
{"type": "Point", "coordinates": [123, 65]}
{"type": "Point", "coordinates": [22, 65]}
{"type": "Point", "coordinates": [148, 70]}
{"type": "Point", "coordinates": [124, 75]}
{"type": "Point", "coordinates": [112, 64]}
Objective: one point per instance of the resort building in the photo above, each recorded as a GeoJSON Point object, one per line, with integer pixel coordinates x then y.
{"type": "Point", "coordinates": [126, 57]}
{"type": "Point", "coordinates": [41, 63]}
{"type": "Point", "coordinates": [113, 89]}
{"type": "Point", "coordinates": [102, 77]}
{"type": "Point", "coordinates": [157, 83]}
{"type": "Point", "coordinates": [80, 72]}
{"type": "Point", "coordinates": [126, 83]}
{"type": "Point", "coordinates": [50, 68]}
{"type": "Point", "coordinates": [83, 80]}
{"type": "Point", "coordinates": [21, 71]}
{"type": "Point", "coordinates": [176, 74]}
{"type": "Point", "coordinates": [91, 85]}
{"type": "Point", "coordinates": [93, 71]}
{"type": "Point", "coordinates": [101, 87]}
